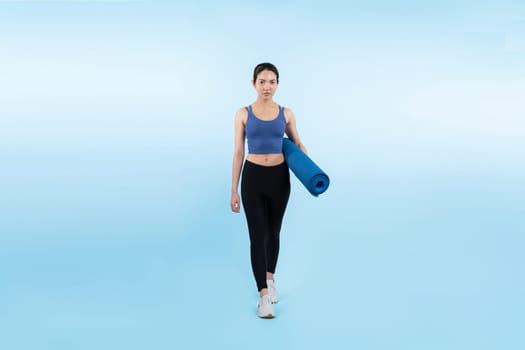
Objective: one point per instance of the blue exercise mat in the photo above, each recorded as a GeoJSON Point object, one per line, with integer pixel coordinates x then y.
{"type": "Point", "coordinates": [313, 178]}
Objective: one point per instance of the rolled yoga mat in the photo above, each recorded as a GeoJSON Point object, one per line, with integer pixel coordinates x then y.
{"type": "Point", "coordinates": [313, 178]}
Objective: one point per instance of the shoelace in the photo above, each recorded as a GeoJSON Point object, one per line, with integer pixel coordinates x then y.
{"type": "Point", "coordinates": [265, 300]}
{"type": "Point", "coordinates": [272, 289]}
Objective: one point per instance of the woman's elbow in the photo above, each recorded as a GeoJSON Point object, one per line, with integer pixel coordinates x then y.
{"type": "Point", "coordinates": [238, 154]}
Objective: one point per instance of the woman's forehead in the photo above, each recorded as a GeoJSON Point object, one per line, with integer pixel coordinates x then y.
{"type": "Point", "coordinates": [267, 75]}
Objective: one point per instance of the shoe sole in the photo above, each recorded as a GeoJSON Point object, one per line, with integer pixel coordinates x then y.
{"type": "Point", "coordinates": [267, 316]}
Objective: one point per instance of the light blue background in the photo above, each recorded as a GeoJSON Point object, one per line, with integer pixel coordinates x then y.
{"type": "Point", "coordinates": [116, 139]}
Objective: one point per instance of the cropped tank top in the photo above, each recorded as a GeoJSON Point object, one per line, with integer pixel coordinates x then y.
{"type": "Point", "coordinates": [265, 136]}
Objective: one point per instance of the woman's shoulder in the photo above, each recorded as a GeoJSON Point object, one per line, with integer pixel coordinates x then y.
{"type": "Point", "coordinates": [242, 110]}
{"type": "Point", "coordinates": [288, 114]}
{"type": "Point", "coordinates": [242, 113]}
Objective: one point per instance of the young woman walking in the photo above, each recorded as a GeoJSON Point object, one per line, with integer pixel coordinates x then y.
{"type": "Point", "coordinates": [265, 182]}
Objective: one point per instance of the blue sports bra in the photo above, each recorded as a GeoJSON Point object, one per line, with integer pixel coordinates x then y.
{"type": "Point", "coordinates": [265, 136]}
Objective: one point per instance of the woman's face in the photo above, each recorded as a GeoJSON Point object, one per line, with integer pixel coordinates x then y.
{"type": "Point", "coordinates": [266, 84]}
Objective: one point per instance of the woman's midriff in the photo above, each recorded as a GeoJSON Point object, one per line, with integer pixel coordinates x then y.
{"type": "Point", "coordinates": [270, 159]}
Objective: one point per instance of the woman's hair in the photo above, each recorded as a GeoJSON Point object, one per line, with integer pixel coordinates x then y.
{"type": "Point", "coordinates": [265, 66]}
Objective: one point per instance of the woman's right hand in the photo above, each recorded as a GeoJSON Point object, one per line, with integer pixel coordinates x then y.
{"type": "Point", "coordinates": [235, 203]}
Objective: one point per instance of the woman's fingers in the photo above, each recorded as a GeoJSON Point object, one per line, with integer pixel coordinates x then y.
{"type": "Point", "coordinates": [235, 206]}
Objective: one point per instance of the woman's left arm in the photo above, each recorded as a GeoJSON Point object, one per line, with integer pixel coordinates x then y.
{"type": "Point", "coordinates": [291, 129]}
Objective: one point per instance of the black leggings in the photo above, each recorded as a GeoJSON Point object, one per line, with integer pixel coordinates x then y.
{"type": "Point", "coordinates": [265, 191]}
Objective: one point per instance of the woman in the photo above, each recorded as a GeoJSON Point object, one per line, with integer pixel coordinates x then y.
{"type": "Point", "coordinates": [265, 184]}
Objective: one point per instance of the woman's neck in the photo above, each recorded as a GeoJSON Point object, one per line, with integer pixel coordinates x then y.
{"type": "Point", "coordinates": [264, 103]}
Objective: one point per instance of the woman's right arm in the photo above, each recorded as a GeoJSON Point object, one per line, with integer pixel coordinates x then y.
{"type": "Point", "coordinates": [238, 157]}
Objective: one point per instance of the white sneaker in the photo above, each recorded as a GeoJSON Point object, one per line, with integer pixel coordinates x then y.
{"type": "Point", "coordinates": [265, 308]}
{"type": "Point", "coordinates": [272, 291]}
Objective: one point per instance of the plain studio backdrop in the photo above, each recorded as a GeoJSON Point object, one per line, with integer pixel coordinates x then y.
{"type": "Point", "coordinates": [116, 141]}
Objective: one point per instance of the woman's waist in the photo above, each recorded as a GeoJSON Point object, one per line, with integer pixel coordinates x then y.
{"type": "Point", "coordinates": [266, 159]}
